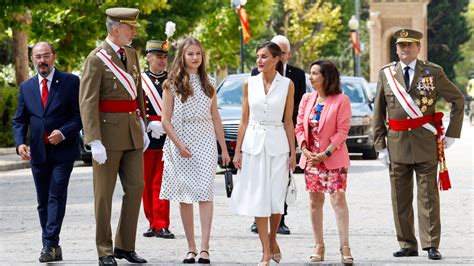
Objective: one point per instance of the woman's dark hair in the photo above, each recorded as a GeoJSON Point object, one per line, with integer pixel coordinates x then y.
{"type": "Point", "coordinates": [275, 51]}
{"type": "Point", "coordinates": [332, 80]}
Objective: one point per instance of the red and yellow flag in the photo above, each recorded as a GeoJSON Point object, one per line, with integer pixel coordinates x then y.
{"type": "Point", "coordinates": [244, 21]}
{"type": "Point", "coordinates": [355, 41]}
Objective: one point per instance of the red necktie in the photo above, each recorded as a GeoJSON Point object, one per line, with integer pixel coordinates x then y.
{"type": "Point", "coordinates": [44, 98]}
{"type": "Point", "coordinates": [44, 92]}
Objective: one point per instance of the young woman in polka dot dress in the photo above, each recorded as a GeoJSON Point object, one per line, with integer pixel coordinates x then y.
{"type": "Point", "coordinates": [192, 124]}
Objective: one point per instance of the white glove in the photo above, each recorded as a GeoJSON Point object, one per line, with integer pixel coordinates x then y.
{"type": "Point", "coordinates": [384, 157]}
{"type": "Point", "coordinates": [448, 141]}
{"type": "Point", "coordinates": [99, 153]}
{"type": "Point", "coordinates": [146, 140]}
{"type": "Point", "coordinates": [156, 129]}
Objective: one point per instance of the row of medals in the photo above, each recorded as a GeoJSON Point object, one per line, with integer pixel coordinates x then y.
{"type": "Point", "coordinates": [425, 87]}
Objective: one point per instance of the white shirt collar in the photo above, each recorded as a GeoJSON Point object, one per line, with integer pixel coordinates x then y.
{"type": "Point", "coordinates": [411, 65]}
{"type": "Point", "coordinates": [49, 78]}
{"type": "Point", "coordinates": [113, 45]}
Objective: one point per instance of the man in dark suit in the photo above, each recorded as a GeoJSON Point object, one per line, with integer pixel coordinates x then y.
{"type": "Point", "coordinates": [298, 77]}
{"type": "Point", "coordinates": [48, 105]}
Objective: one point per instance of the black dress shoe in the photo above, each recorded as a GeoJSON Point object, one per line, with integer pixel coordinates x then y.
{"type": "Point", "coordinates": [150, 232]}
{"type": "Point", "coordinates": [164, 233]}
{"type": "Point", "coordinates": [283, 229]}
{"type": "Point", "coordinates": [48, 254]}
{"type": "Point", "coordinates": [131, 256]}
{"type": "Point", "coordinates": [59, 253]}
{"type": "Point", "coordinates": [433, 254]}
{"type": "Point", "coordinates": [254, 228]}
{"type": "Point", "coordinates": [405, 252]}
{"type": "Point", "coordinates": [107, 260]}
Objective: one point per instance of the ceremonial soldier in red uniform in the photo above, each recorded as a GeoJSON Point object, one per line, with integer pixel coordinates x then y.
{"type": "Point", "coordinates": [406, 96]}
{"type": "Point", "coordinates": [157, 211]}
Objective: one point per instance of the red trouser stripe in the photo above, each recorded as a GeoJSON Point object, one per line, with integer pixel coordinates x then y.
{"type": "Point", "coordinates": [157, 211]}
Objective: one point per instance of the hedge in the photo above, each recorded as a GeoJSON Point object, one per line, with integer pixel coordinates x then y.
{"type": "Point", "coordinates": [8, 102]}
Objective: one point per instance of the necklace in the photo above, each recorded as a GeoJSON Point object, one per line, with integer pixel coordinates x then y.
{"type": "Point", "coordinates": [321, 99]}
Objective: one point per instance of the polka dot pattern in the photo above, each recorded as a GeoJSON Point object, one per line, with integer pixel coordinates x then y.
{"type": "Point", "coordinates": [191, 180]}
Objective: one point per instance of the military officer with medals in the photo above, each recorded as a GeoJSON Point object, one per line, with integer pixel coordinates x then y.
{"type": "Point", "coordinates": [157, 211]}
{"type": "Point", "coordinates": [112, 110]}
{"type": "Point", "coordinates": [406, 96]}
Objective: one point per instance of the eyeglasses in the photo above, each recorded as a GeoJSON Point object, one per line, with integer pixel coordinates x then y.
{"type": "Point", "coordinates": [46, 56]}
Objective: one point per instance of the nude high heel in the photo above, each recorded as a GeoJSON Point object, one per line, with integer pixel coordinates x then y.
{"type": "Point", "coordinates": [346, 256]}
{"type": "Point", "coordinates": [318, 254]}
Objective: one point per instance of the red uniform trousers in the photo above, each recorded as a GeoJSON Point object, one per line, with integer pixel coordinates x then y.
{"type": "Point", "coordinates": [157, 211]}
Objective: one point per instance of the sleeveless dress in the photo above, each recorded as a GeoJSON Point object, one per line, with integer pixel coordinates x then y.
{"type": "Point", "coordinates": [191, 180]}
{"type": "Point", "coordinates": [317, 177]}
{"type": "Point", "coordinates": [260, 185]}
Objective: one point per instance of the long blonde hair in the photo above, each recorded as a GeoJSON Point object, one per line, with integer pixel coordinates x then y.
{"type": "Point", "coordinates": [179, 77]}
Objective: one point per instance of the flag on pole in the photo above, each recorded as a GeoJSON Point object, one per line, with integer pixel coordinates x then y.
{"type": "Point", "coordinates": [244, 21]}
{"type": "Point", "coordinates": [355, 42]}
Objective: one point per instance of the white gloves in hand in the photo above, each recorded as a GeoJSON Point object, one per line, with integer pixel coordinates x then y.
{"type": "Point", "coordinates": [99, 153]}
{"type": "Point", "coordinates": [156, 129]}
{"type": "Point", "coordinates": [384, 157]}
{"type": "Point", "coordinates": [448, 141]}
{"type": "Point", "coordinates": [146, 140]}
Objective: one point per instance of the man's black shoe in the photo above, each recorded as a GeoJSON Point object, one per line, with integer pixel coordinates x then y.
{"type": "Point", "coordinates": [48, 254]}
{"type": "Point", "coordinates": [131, 256]}
{"type": "Point", "coordinates": [253, 228]}
{"type": "Point", "coordinates": [405, 252]}
{"type": "Point", "coordinates": [107, 260]}
{"type": "Point", "coordinates": [58, 253]}
{"type": "Point", "coordinates": [283, 229]}
{"type": "Point", "coordinates": [164, 233]}
{"type": "Point", "coordinates": [433, 254]}
{"type": "Point", "coordinates": [150, 232]}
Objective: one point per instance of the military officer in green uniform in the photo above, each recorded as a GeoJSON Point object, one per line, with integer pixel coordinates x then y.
{"type": "Point", "coordinates": [406, 96]}
{"type": "Point", "coordinates": [112, 108]}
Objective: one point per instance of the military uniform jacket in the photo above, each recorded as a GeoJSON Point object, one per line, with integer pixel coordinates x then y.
{"type": "Point", "coordinates": [117, 131]}
{"type": "Point", "coordinates": [418, 144]}
{"type": "Point", "coordinates": [155, 144]}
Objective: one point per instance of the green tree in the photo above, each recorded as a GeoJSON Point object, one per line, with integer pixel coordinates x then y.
{"type": "Point", "coordinates": [75, 27]}
{"type": "Point", "coordinates": [465, 67]}
{"type": "Point", "coordinates": [447, 31]}
{"type": "Point", "coordinates": [219, 31]}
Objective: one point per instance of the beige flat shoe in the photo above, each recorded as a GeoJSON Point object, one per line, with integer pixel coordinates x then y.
{"type": "Point", "coordinates": [346, 256]}
{"type": "Point", "coordinates": [318, 254]}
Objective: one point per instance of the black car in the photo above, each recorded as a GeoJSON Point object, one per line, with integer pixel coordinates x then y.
{"type": "Point", "coordinates": [86, 155]}
{"type": "Point", "coordinates": [360, 139]}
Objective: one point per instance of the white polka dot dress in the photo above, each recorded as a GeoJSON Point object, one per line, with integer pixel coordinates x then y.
{"type": "Point", "coordinates": [191, 180]}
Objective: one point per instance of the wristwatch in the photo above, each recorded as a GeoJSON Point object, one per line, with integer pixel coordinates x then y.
{"type": "Point", "coordinates": [328, 153]}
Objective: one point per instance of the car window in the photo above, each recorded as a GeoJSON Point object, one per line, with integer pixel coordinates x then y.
{"type": "Point", "coordinates": [230, 92]}
{"type": "Point", "coordinates": [354, 90]}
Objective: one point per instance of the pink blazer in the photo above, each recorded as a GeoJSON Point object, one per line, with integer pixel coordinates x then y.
{"type": "Point", "coordinates": [334, 126]}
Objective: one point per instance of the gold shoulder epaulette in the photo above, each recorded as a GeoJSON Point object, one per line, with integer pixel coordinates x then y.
{"type": "Point", "coordinates": [389, 64]}
{"type": "Point", "coordinates": [431, 64]}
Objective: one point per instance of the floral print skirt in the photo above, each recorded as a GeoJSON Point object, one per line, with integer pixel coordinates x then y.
{"type": "Point", "coordinates": [317, 177]}
{"type": "Point", "coordinates": [320, 179]}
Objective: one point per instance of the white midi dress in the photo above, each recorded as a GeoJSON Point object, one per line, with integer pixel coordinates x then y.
{"type": "Point", "coordinates": [191, 180]}
{"type": "Point", "coordinates": [260, 185]}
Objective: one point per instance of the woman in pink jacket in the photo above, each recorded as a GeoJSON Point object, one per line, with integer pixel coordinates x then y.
{"type": "Point", "coordinates": [321, 131]}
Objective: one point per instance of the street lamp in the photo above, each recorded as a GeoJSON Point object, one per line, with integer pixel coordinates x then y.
{"type": "Point", "coordinates": [354, 27]}
{"type": "Point", "coordinates": [237, 4]}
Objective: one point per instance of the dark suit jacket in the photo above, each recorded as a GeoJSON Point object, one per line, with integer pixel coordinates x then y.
{"type": "Point", "coordinates": [299, 79]}
{"type": "Point", "coordinates": [61, 112]}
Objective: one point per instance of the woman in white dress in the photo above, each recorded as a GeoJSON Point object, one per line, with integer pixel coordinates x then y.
{"type": "Point", "coordinates": [265, 150]}
{"type": "Point", "coordinates": [192, 123]}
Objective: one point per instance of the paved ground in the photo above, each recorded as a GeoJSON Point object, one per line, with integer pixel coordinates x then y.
{"type": "Point", "coordinates": [371, 225]}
